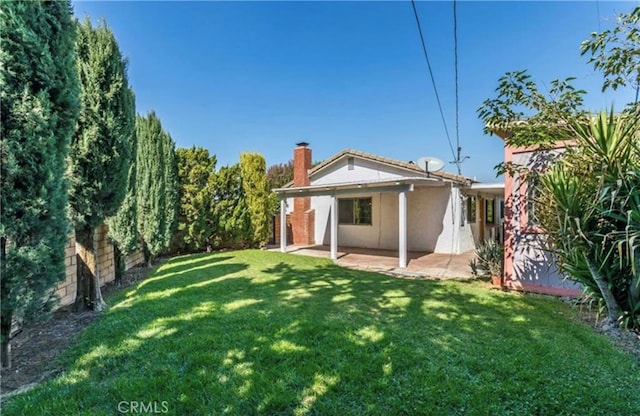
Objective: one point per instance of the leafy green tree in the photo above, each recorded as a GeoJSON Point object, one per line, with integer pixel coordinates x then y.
{"type": "Point", "coordinates": [229, 210]}
{"type": "Point", "coordinates": [616, 52]}
{"type": "Point", "coordinates": [101, 149]}
{"type": "Point", "coordinates": [196, 169]}
{"type": "Point", "coordinates": [590, 196]}
{"type": "Point", "coordinates": [254, 182]}
{"type": "Point", "coordinates": [156, 195]}
{"type": "Point", "coordinates": [278, 175]}
{"type": "Point", "coordinates": [39, 111]}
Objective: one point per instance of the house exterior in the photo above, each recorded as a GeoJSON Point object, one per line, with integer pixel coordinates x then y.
{"type": "Point", "coordinates": [527, 266]}
{"type": "Point", "coordinates": [356, 199]}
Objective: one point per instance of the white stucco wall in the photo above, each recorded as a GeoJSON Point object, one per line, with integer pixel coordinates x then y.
{"type": "Point", "coordinates": [465, 236]}
{"type": "Point", "coordinates": [433, 222]}
{"type": "Point", "coordinates": [363, 170]}
{"type": "Point", "coordinates": [322, 207]}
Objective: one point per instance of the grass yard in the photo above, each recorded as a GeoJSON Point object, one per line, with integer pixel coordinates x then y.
{"type": "Point", "coordinates": [255, 332]}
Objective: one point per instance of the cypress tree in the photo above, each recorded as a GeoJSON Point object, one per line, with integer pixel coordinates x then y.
{"type": "Point", "coordinates": [254, 183]}
{"type": "Point", "coordinates": [229, 211]}
{"type": "Point", "coordinates": [195, 170]}
{"type": "Point", "coordinates": [101, 149]}
{"type": "Point", "coordinates": [123, 231]}
{"type": "Point", "coordinates": [157, 192]}
{"type": "Point", "coordinates": [39, 93]}
{"type": "Point", "coordinates": [171, 188]}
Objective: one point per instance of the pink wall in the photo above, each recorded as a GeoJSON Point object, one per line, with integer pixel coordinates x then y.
{"type": "Point", "coordinates": [527, 266]}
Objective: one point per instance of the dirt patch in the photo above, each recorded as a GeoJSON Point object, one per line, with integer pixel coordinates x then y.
{"type": "Point", "coordinates": [35, 349]}
{"type": "Point", "coordinates": [625, 340]}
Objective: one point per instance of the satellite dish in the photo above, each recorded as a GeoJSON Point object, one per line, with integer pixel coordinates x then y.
{"type": "Point", "coordinates": [430, 164]}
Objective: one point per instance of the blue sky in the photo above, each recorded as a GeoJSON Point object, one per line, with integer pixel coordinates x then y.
{"type": "Point", "coordinates": [261, 76]}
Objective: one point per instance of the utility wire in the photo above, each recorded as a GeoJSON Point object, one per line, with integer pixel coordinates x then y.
{"type": "Point", "coordinates": [433, 82]}
{"type": "Point", "coordinates": [458, 161]}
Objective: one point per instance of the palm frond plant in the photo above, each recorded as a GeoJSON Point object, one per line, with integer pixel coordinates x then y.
{"type": "Point", "coordinates": [591, 213]}
{"type": "Point", "coordinates": [489, 262]}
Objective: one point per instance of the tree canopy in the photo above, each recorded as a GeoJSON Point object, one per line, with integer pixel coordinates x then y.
{"type": "Point", "coordinates": [101, 150]}
{"type": "Point", "coordinates": [157, 191]}
{"type": "Point", "coordinates": [196, 169]}
{"type": "Point", "coordinates": [254, 182]}
{"type": "Point", "coordinates": [39, 110]}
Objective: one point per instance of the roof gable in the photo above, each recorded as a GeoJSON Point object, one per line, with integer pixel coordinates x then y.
{"type": "Point", "coordinates": [384, 164]}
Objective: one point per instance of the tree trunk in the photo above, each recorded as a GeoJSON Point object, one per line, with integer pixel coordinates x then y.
{"type": "Point", "coordinates": [609, 300]}
{"type": "Point", "coordinates": [147, 255]}
{"type": "Point", "coordinates": [6, 317]}
{"type": "Point", "coordinates": [5, 333]}
{"type": "Point", "coordinates": [88, 294]}
{"type": "Point", "coordinates": [118, 262]}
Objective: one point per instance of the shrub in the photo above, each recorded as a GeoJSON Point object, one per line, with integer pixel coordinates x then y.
{"type": "Point", "coordinates": [489, 260]}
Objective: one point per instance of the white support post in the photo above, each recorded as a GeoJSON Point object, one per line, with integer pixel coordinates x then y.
{"type": "Point", "coordinates": [402, 229]}
{"type": "Point", "coordinates": [334, 227]}
{"type": "Point", "coordinates": [283, 225]}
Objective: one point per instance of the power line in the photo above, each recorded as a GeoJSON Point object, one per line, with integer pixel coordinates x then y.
{"type": "Point", "coordinates": [433, 82]}
{"type": "Point", "coordinates": [455, 54]}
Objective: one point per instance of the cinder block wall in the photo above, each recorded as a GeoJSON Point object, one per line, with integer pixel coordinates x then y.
{"type": "Point", "coordinates": [66, 290]}
{"type": "Point", "coordinates": [104, 254]}
{"type": "Point", "coordinates": [133, 260]}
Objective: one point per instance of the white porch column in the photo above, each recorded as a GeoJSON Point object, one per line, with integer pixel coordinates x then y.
{"type": "Point", "coordinates": [402, 229]}
{"type": "Point", "coordinates": [334, 227]}
{"type": "Point", "coordinates": [283, 225]}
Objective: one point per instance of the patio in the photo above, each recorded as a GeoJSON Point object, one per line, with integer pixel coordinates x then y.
{"type": "Point", "coordinates": [419, 264]}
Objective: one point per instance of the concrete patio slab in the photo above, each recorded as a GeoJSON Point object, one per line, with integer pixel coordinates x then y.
{"type": "Point", "coordinates": [420, 265]}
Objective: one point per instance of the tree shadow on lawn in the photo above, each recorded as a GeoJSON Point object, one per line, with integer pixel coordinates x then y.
{"type": "Point", "coordinates": [298, 337]}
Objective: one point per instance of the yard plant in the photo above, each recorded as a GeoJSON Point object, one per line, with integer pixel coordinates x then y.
{"type": "Point", "coordinates": [258, 332]}
{"type": "Point", "coordinates": [589, 197]}
{"type": "Point", "coordinates": [489, 260]}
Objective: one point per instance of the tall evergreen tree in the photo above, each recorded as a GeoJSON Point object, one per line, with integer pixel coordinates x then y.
{"type": "Point", "coordinates": [157, 192]}
{"type": "Point", "coordinates": [230, 214]}
{"type": "Point", "coordinates": [195, 170]}
{"type": "Point", "coordinates": [39, 94]}
{"type": "Point", "coordinates": [101, 149]}
{"type": "Point", "coordinates": [123, 230]}
{"type": "Point", "coordinates": [171, 186]}
{"type": "Point", "coordinates": [254, 183]}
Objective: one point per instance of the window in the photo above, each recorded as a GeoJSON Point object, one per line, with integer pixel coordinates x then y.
{"type": "Point", "coordinates": [354, 211]}
{"type": "Point", "coordinates": [471, 209]}
{"type": "Point", "coordinates": [490, 215]}
{"type": "Point", "coordinates": [501, 209]}
{"type": "Point", "coordinates": [533, 183]}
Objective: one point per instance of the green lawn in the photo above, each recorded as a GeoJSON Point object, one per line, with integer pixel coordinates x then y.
{"type": "Point", "coordinates": [255, 332]}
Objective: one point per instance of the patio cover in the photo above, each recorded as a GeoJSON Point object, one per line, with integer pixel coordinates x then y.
{"type": "Point", "coordinates": [399, 185]}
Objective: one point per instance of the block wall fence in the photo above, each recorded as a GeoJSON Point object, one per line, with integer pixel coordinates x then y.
{"type": "Point", "coordinates": [66, 290]}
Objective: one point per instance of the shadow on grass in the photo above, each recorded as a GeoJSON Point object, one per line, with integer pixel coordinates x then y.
{"type": "Point", "coordinates": [255, 332]}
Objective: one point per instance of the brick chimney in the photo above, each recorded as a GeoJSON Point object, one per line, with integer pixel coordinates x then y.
{"type": "Point", "coordinates": [302, 217]}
